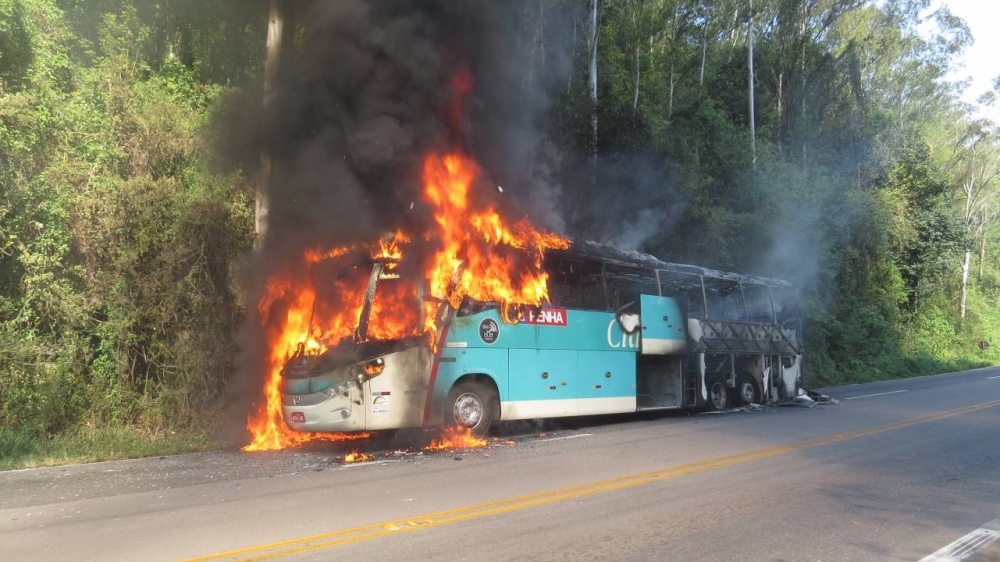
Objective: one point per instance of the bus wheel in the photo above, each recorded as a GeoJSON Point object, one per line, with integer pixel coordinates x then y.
{"type": "Point", "coordinates": [718, 395]}
{"type": "Point", "coordinates": [472, 407]}
{"type": "Point", "coordinates": [747, 390]}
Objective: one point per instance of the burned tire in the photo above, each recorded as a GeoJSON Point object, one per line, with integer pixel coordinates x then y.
{"type": "Point", "coordinates": [718, 394]}
{"type": "Point", "coordinates": [747, 390]}
{"type": "Point", "coordinates": [471, 405]}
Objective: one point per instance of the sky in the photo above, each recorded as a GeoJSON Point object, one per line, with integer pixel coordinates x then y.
{"type": "Point", "coordinates": [982, 59]}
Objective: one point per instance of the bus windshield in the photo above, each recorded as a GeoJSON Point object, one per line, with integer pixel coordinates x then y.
{"type": "Point", "coordinates": [365, 301]}
{"type": "Point", "coordinates": [390, 308]}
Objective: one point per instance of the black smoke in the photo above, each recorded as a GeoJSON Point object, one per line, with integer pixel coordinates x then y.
{"type": "Point", "coordinates": [375, 86]}
{"type": "Point", "coordinates": [367, 89]}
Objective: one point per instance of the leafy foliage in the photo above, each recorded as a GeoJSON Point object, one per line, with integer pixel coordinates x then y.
{"type": "Point", "coordinates": [118, 305]}
{"type": "Point", "coordinates": [128, 132]}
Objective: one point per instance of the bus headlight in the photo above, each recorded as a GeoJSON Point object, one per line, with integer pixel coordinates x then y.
{"type": "Point", "coordinates": [335, 389]}
{"type": "Point", "coordinates": [375, 367]}
{"type": "Point", "coordinates": [370, 369]}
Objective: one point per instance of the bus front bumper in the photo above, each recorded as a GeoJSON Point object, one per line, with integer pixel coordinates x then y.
{"type": "Point", "coordinates": [321, 412]}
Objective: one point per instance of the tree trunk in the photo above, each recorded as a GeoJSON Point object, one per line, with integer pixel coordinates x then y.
{"type": "Point", "coordinates": [982, 254]}
{"type": "Point", "coordinates": [536, 52]}
{"type": "Point", "coordinates": [670, 102]}
{"type": "Point", "coordinates": [965, 281]}
{"type": "Point", "coordinates": [569, 78]}
{"type": "Point", "coordinates": [753, 128]}
{"type": "Point", "coordinates": [704, 53]}
{"type": "Point", "coordinates": [673, 57]}
{"type": "Point", "coordinates": [595, 8]}
{"type": "Point", "coordinates": [635, 96]}
{"type": "Point", "coordinates": [781, 95]}
{"type": "Point", "coordinates": [637, 14]}
{"type": "Point", "coordinates": [735, 33]}
{"type": "Point", "coordinates": [802, 117]}
{"type": "Point", "coordinates": [275, 27]}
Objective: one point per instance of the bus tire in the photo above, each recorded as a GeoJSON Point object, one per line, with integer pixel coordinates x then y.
{"type": "Point", "coordinates": [470, 405]}
{"type": "Point", "coordinates": [718, 394]}
{"type": "Point", "coordinates": [747, 390]}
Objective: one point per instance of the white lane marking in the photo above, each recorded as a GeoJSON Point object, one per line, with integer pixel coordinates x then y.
{"type": "Point", "coordinates": [566, 437]}
{"type": "Point", "coordinates": [991, 378]}
{"type": "Point", "coordinates": [879, 394]}
{"type": "Point", "coordinates": [967, 545]}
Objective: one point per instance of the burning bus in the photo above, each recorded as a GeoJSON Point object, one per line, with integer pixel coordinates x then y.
{"type": "Point", "coordinates": [619, 332]}
{"type": "Point", "coordinates": [480, 321]}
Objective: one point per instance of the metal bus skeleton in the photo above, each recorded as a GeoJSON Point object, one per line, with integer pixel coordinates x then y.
{"type": "Point", "coordinates": [621, 332]}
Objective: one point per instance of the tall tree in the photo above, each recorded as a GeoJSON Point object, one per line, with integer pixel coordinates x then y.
{"type": "Point", "coordinates": [275, 29]}
{"type": "Point", "coordinates": [595, 33]}
{"type": "Point", "coordinates": [750, 88]}
{"type": "Point", "coordinates": [978, 170]}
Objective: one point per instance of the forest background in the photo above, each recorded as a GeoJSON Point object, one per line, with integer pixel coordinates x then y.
{"type": "Point", "coordinates": [813, 140]}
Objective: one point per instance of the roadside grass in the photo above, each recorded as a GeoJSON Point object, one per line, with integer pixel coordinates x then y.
{"type": "Point", "coordinates": [19, 449]}
{"type": "Point", "coordinates": [888, 368]}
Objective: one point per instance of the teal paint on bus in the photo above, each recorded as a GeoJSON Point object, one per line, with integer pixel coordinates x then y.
{"type": "Point", "coordinates": [661, 318]}
{"type": "Point", "coordinates": [585, 355]}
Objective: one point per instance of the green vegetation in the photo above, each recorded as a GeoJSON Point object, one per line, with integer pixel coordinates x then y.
{"type": "Point", "coordinates": [126, 212]}
{"type": "Point", "coordinates": [117, 243]}
{"type": "Point", "coordinates": [24, 450]}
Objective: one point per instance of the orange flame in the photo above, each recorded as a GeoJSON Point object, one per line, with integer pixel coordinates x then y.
{"type": "Point", "coordinates": [355, 456]}
{"type": "Point", "coordinates": [472, 242]}
{"type": "Point", "coordinates": [454, 438]}
{"type": "Point", "coordinates": [474, 253]}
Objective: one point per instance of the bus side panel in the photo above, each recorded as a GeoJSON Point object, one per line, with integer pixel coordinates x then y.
{"type": "Point", "coordinates": [543, 383]}
{"type": "Point", "coordinates": [607, 382]}
{"type": "Point", "coordinates": [581, 330]}
{"type": "Point", "coordinates": [663, 331]}
{"type": "Point", "coordinates": [475, 344]}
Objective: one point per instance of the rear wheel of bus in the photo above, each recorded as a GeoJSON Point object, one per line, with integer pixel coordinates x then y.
{"type": "Point", "coordinates": [718, 394]}
{"type": "Point", "coordinates": [747, 390]}
{"type": "Point", "coordinates": [471, 405]}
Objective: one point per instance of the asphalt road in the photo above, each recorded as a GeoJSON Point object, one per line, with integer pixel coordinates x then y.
{"type": "Point", "coordinates": [898, 470]}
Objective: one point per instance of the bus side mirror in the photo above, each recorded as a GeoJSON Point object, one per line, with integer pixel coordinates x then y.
{"type": "Point", "coordinates": [629, 322]}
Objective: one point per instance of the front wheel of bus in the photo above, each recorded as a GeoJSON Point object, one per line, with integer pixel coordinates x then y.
{"type": "Point", "coordinates": [472, 406]}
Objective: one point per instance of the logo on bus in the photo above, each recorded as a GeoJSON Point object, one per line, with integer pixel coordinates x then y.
{"type": "Point", "coordinates": [544, 316]}
{"type": "Point", "coordinates": [489, 330]}
{"type": "Point", "coordinates": [621, 340]}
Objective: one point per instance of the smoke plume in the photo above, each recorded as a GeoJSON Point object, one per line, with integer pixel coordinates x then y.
{"type": "Point", "coordinates": [367, 90]}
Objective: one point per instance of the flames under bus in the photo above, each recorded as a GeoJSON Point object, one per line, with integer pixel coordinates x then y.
{"type": "Point", "coordinates": [622, 332]}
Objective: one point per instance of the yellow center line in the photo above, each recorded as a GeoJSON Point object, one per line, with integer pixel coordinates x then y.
{"type": "Point", "coordinates": [420, 522]}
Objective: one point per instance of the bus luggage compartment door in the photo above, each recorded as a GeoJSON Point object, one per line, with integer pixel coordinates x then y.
{"type": "Point", "coordinates": [663, 326]}
{"type": "Point", "coordinates": [542, 383]}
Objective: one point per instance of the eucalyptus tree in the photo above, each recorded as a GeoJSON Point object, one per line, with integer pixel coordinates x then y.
{"type": "Point", "coordinates": [594, 18]}
{"type": "Point", "coordinates": [974, 162]}
{"type": "Point", "coordinates": [275, 31]}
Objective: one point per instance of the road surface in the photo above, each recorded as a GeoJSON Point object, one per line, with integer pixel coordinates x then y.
{"type": "Point", "coordinates": [899, 470]}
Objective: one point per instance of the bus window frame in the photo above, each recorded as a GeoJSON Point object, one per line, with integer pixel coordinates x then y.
{"type": "Point", "coordinates": [770, 301]}
{"type": "Point", "coordinates": [598, 271]}
{"type": "Point", "coordinates": [720, 301]}
{"type": "Point", "coordinates": [684, 289]}
{"type": "Point", "coordinates": [643, 276]}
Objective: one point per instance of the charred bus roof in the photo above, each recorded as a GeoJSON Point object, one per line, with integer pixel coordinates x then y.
{"type": "Point", "coordinates": [630, 258]}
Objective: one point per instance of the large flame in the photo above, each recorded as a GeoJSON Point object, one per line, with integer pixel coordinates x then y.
{"type": "Point", "coordinates": [468, 251]}
{"type": "Point", "coordinates": [476, 244]}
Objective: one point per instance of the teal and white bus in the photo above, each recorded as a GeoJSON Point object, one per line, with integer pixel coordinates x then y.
{"type": "Point", "coordinates": [621, 332]}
